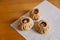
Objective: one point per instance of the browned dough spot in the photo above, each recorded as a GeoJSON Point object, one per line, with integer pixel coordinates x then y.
{"type": "Point", "coordinates": [36, 11]}
{"type": "Point", "coordinates": [26, 20]}
{"type": "Point", "coordinates": [43, 24]}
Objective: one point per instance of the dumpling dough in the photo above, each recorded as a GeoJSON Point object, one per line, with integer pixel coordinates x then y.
{"type": "Point", "coordinates": [25, 23]}
{"type": "Point", "coordinates": [35, 14]}
{"type": "Point", "coordinates": [41, 26]}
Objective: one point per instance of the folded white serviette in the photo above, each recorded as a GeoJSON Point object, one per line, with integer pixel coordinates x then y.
{"type": "Point", "coordinates": [49, 13]}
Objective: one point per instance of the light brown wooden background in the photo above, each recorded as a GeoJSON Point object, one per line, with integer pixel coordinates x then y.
{"type": "Point", "coordinates": [10, 10]}
{"type": "Point", "coordinates": [55, 2]}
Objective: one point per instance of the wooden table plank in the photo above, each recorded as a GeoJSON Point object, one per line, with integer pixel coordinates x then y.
{"type": "Point", "coordinates": [55, 2]}
{"type": "Point", "coordinates": [10, 10]}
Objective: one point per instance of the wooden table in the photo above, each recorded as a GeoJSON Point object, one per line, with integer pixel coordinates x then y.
{"type": "Point", "coordinates": [55, 3]}
{"type": "Point", "coordinates": [11, 10]}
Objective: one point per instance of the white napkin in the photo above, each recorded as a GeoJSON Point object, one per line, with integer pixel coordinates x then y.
{"type": "Point", "coordinates": [49, 13]}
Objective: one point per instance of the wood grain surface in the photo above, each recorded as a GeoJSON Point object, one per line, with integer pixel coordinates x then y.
{"type": "Point", "coordinates": [11, 10]}
{"type": "Point", "coordinates": [55, 2]}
